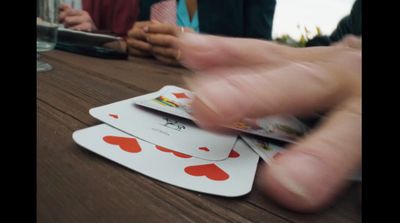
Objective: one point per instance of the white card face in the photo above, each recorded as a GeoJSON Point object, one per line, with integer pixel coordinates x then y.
{"type": "Point", "coordinates": [231, 177]}
{"type": "Point", "coordinates": [172, 100]}
{"type": "Point", "coordinates": [267, 151]}
{"type": "Point", "coordinates": [177, 101]}
{"type": "Point", "coordinates": [169, 131]}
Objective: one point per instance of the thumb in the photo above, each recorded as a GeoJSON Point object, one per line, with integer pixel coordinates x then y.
{"type": "Point", "coordinates": [308, 176]}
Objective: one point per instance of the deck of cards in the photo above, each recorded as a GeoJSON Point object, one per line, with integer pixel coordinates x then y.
{"type": "Point", "coordinates": [154, 134]}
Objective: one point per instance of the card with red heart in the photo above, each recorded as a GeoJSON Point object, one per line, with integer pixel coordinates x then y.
{"type": "Point", "coordinates": [231, 177]}
{"type": "Point", "coordinates": [166, 130]}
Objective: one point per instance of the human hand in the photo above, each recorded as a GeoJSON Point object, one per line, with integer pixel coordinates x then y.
{"type": "Point", "coordinates": [164, 40]}
{"type": "Point", "coordinates": [76, 19]}
{"type": "Point", "coordinates": [136, 40]}
{"type": "Point", "coordinates": [245, 78]}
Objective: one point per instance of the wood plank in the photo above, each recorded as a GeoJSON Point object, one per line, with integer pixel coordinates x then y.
{"type": "Point", "coordinates": [140, 73]}
{"type": "Point", "coordinates": [75, 185]}
{"type": "Point", "coordinates": [78, 186]}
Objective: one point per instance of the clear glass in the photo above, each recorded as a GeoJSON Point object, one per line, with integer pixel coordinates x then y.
{"type": "Point", "coordinates": [46, 30]}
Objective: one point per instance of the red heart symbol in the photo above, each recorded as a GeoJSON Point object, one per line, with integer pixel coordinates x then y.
{"type": "Point", "coordinates": [204, 148]}
{"type": "Point", "coordinates": [114, 116]}
{"type": "Point", "coordinates": [130, 145]}
{"type": "Point", "coordinates": [234, 154]}
{"type": "Point", "coordinates": [181, 155]}
{"type": "Point", "coordinates": [211, 171]}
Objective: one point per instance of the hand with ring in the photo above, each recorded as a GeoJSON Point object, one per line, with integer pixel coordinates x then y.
{"type": "Point", "coordinates": [164, 38]}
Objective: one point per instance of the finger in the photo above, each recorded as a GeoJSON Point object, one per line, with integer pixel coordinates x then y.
{"type": "Point", "coordinates": [162, 40]}
{"type": "Point", "coordinates": [138, 44]}
{"type": "Point", "coordinates": [82, 27]}
{"type": "Point", "coordinates": [153, 21]}
{"type": "Point", "coordinates": [136, 52]}
{"type": "Point", "coordinates": [298, 88]}
{"type": "Point", "coordinates": [118, 45]}
{"type": "Point", "coordinates": [63, 12]}
{"type": "Point", "coordinates": [162, 28]}
{"type": "Point", "coordinates": [62, 16]}
{"type": "Point", "coordinates": [200, 52]}
{"type": "Point", "coordinates": [137, 33]}
{"type": "Point", "coordinates": [141, 24]}
{"type": "Point", "coordinates": [74, 12]}
{"type": "Point", "coordinates": [350, 41]}
{"type": "Point", "coordinates": [167, 60]}
{"type": "Point", "coordinates": [166, 52]}
{"type": "Point", "coordinates": [309, 175]}
{"type": "Point", "coordinates": [71, 21]}
{"type": "Point", "coordinates": [64, 6]}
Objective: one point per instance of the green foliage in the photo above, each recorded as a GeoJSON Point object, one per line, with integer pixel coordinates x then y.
{"type": "Point", "coordinates": [304, 38]}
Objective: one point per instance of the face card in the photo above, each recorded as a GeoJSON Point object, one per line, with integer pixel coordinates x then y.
{"type": "Point", "coordinates": [176, 101]}
{"type": "Point", "coordinates": [172, 132]}
{"type": "Point", "coordinates": [231, 177]}
{"type": "Point", "coordinates": [172, 100]}
{"type": "Point", "coordinates": [284, 128]}
{"type": "Point", "coordinates": [266, 150]}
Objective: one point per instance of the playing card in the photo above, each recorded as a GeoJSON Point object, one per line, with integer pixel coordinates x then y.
{"type": "Point", "coordinates": [177, 101]}
{"type": "Point", "coordinates": [285, 128]}
{"type": "Point", "coordinates": [266, 150]}
{"type": "Point", "coordinates": [159, 128]}
{"type": "Point", "coordinates": [170, 99]}
{"type": "Point", "coordinates": [164, 11]}
{"type": "Point", "coordinates": [231, 177]}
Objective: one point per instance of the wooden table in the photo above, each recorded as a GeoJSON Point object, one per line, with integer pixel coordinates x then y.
{"type": "Point", "coordinates": [75, 185]}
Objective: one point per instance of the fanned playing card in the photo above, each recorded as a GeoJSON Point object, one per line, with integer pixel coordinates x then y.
{"type": "Point", "coordinates": [177, 101]}
{"type": "Point", "coordinates": [265, 149]}
{"type": "Point", "coordinates": [162, 129]}
{"type": "Point", "coordinates": [231, 177]}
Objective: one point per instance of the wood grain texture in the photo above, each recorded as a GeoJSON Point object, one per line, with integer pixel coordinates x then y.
{"type": "Point", "coordinates": [75, 185]}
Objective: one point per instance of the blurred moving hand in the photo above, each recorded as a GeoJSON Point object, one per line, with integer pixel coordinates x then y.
{"type": "Point", "coordinates": [240, 78]}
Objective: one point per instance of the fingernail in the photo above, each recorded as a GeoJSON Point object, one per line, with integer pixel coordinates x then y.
{"type": "Point", "coordinates": [146, 29]}
{"type": "Point", "coordinates": [284, 178]}
{"type": "Point", "coordinates": [301, 174]}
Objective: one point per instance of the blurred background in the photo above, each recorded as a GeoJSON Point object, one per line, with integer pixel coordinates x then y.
{"type": "Point", "coordinates": [302, 17]}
